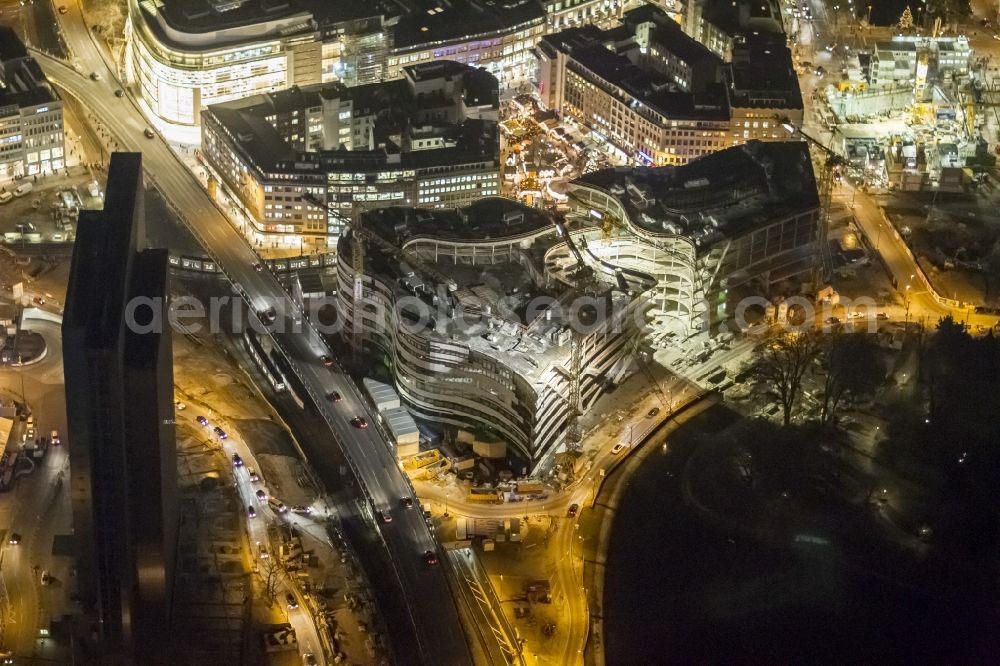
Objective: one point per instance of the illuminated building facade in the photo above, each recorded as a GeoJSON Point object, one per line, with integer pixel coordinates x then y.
{"type": "Point", "coordinates": [185, 56]}
{"type": "Point", "coordinates": [735, 223]}
{"type": "Point", "coordinates": [659, 96]}
{"type": "Point", "coordinates": [32, 139]}
{"type": "Point", "coordinates": [476, 324]}
{"type": "Point", "coordinates": [306, 160]}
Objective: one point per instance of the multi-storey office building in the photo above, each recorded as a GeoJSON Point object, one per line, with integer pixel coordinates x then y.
{"type": "Point", "coordinates": [32, 140]}
{"type": "Point", "coordinates": [305, 160]}
{"type": "Point", "coordinates": [911, 60]}
{"type": "Point", "coordinates": [185, 56]}
{"type": "Point", "coordinates": [662, 98]}
{"type": "Point", "coordinates": [717, 23]}
{"type": "Point", "coordinates": [740, 221]}
{"type": "Point", "coordinates": [119, 402]}
{"type": "Point", "coordinates": [476, 325]}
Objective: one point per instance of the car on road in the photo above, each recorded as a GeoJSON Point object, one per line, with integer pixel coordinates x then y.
{"type": "Point", "coordinates": [831, 320]}
{"type": "Point", "coordinates": [277, 505]}
{"type": "Point", "coordinates": [258, 266]}
{"type": "Point", "coordinates": [406, 502]}
{"type": "Point", "coordinates": [54, 436]}
{"type": "Point", "coordinates": [237, 460]}
{"type": "Point", "coordinates": [148, 133]}
{"type": "Point", "coordinates": [119, 93]}
{"type": "Point", "coordinates": [38, 300]}
{"type": "Point", "coordinates": [309, 659]}
{"type": "Point", "coordinates": [326, 360]}
{"type": "Point", "coordinates": [820, 71]}
{"type": "Point", "coordinates": [618, 448]}
{"type": "Point", "coordinates": [302, 510]}
{"type": "Point", "coordinates": [430, 558]}
{"type": "Point", "coordinates": [292, 602]}
{"type": "Point", "coordinates": [653, 412]}
{"type": "Point", "coordinates": [179, 406]}
{"type": "Point", "coordinates": [881, 316]}
{"type": "Point", "coordinates": [267, 316]}
{"type": "Point", "coordinates": [95, 76]}
{"type": "Point", "coordinates": [572, 511]}
{"type": "Point", "coordinates": [334, 396]}
{"type": "Point", "coordinates": [220, 433]}
{"type": "Point", "coordinates": [202, 420]}
{"type": "Point", "coordinates": [359, 422]}
{"type": "Point", "coordinates": [46, 578]}
{"type": "Point", "coordinates": [858, 314]}
{"type": "Point", "coordinates": [63, 9]}
{"type": "Point", "coordinates": [252, 512]}
{"type": "Point", "coordinates": [14, 538]}
{"type": "Point", "coordinates": [383, 516]}
{"type": "Point", "coordinates": [252, 473]}
{"type": "Point", "coordinates": [262, 495]}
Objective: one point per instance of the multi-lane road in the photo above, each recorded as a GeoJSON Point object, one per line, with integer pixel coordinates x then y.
{"type": "Point", "coordinates": [433, 614]}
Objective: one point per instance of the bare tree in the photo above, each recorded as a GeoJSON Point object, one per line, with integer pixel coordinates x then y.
{"type": "Point", "coordinates": [270, 573]}
{"type": "Point", "coordinates": [782, 363]}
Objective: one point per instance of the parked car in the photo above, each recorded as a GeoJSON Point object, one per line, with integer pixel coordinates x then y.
{"type": "Point", "coordinates": [618, 448]}
{"type": "Point", "coordinates": [653, 412]}
{"type": "Point", "coordinates": [119, 93]}
{"type": "Point", "coordinates": [572, 511]}
{"type": "Point", "coordinates": [148, 133]}
{"type": "Point", "coordinates": [406, 502]}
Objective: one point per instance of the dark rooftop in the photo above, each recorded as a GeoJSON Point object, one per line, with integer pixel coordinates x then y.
{"type": "Point", "coordinates": [721, 194]}
{"type": "Point", "coordinates": [763, 75]}
{"type": "Point", "coordinates": [106, 242]}
{"type": "Point", "coordinates": [485, 219]}
{"type": "Point", "coordinates": [22, 81]}
{"type": "Point", "coordinates": [431, 21]}
{"type": "Point", "coordinates": [392, 103]}
{"type": "Point", "coordinates": [11, 46]}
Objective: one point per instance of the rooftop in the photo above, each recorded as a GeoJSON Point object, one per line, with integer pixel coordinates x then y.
{"type": "Point", "coordinates": [718, 195]}
{"type": "Point", "coordinates": [22, 82]}
{"type": "Point", "coordinates": [394, 107]}
{"type": "Point", "coordinates": [439, 22]}
{"type": "Point", "coordinates": [506, 310]}
{"type": "Point", "coordinates": [763, 75]}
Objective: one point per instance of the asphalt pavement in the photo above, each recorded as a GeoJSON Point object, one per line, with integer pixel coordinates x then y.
{"type": "Point", "coordinates": [439, 633]}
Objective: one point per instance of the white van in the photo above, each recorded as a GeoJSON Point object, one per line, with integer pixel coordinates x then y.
{"type": "Point", "coordinates": [23, 189]}
{"type": "Point", "coordinates": [5, 197]}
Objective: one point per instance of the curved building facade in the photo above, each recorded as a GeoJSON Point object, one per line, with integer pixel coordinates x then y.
{"type": "Point", "coordinates": [745, 216]}
{"type": "Point", "coordinates": [182, 60]}
{"type": "Point", "coordinates": [477, 333]}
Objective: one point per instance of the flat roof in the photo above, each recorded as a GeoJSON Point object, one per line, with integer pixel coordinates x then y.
{"type": "Point", "coordinates": [720, 194]}
{"type": "Point", "coordinates": [432, 22]}
{"type": "Point", "coordinates": [244, 120]}
{"type": "Point", "coordinates": [106, 242]}
{"type": "Point", "coordinates": [506, 309]}
{"type": "Point", "coordinates": [400, 423]}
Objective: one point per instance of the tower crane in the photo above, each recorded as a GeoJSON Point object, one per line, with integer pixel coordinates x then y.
{"type": "Point", "coordinates": [832, 171]}
{"type": "Point", "coordinates": [361, 234]}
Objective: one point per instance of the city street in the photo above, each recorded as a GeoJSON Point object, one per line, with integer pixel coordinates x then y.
{"type": "Point", "coordinates": [439, 635]}
{"type": "Point", "coordinates": [37, 509]}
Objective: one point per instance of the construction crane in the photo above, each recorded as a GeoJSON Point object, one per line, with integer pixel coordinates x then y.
{"type": "Point", "coordinates": [832, 171]}
{"type": "Point", "coordinates": [361, 234]}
